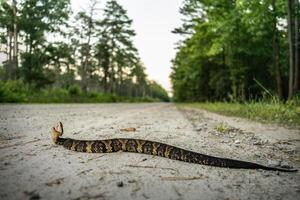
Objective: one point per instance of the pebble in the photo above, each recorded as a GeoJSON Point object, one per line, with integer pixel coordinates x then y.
{"type": "Point", "coordinates": [274, 163]}
{"type": "Point", "coordinates": [131, 181]}
{"type": "Point", "coordinates": [225, 141]}
{"type": "Point", "coordinates": [120, 184]}
{"type": "Point", "coordinates": [237, 142]}
{"type": "Point", "coordinates": [266, 174]}
{"type": "Point", "coordinates": [285, 164]}
{"type": "Point", "coordinates": [257, 143]}
{"type": "Point", "coordinates": [257, 154]}
{"type": "Point", "coordinates": [35, 197]}
{"type": "Point", "coordinates": [260, 142]}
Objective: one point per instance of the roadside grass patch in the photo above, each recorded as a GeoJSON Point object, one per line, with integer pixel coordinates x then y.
{"type": "Point", "coordinates": [262, 111]}
{"type": "Point", "coordinates": [18, 92]}
{"type": "Point", "coordinates": [223, 128]}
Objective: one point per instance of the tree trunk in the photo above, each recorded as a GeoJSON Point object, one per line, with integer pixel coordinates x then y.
{"type": "Point", "coordinates": [276, 52]}
{"type": "Point", "coordinates": [15, 49]}
{"type": "Point", "coordinates": [105, 80]}
{"type": "Point", "coordinates": [291, 49]}
{"type": "Point", "coordinates": [296, 75]}
{"type": "Point", "coordinates": [84, 72]}
{"type": "Point", "coordinates": [120, 81]}
{"type": "Point", "coordinates": [83, 82]}
{"type": "Point", "coordinates": [8, 66]}
{"type": "Point", "coordinates": [112, 80]}
{"type": "Point", "coordinates": [88, 47]}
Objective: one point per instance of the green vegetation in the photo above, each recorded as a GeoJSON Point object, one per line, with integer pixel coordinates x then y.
{"type": "Point", "coordinates": [223, 128]}
{"type": "Point", "coordinates": [236, 50]}
{"type": "Point", "coordinates": [50, 52]}
{"type": "Point", "coordinates": [16, 91]}
{"type": "Point", "coordinates": [241, 52]}
{"type": "Point", "coordinates": [263, 111]}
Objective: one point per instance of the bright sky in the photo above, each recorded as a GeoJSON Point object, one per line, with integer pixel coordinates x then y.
{"type": "Point", "coordinates": [153, 21]}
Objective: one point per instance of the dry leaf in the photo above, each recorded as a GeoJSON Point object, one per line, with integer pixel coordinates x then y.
{"type": "Point", "coordinates": [130, 129]}
{"type": "Point", "coordinates": [55, 182]}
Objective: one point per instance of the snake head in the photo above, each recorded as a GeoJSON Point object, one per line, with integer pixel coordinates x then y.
{"type": "Point", "coordinates": [57, 131]}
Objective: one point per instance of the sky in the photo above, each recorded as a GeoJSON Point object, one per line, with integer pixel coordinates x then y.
{"type": "Point", "coordinates": [153, 21]}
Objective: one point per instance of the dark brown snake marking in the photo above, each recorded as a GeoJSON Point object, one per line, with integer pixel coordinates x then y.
{"type": "Point", "coordinates": [152, 148]}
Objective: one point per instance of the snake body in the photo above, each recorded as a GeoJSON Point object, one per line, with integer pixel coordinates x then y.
{"type": "Point", "coordinates": [152, 148]}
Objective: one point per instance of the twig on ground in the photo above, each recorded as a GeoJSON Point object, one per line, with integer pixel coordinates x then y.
{"type": "Point", "coordinates": [152, 167]}
{"type": "Point", "coordinates": [180, 178]}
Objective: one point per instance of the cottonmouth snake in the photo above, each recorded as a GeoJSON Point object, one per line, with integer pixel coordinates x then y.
{"type": "Point", "coordinates": [152, 148]}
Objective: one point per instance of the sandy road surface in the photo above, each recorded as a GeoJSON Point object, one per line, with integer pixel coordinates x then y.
{"type": "Point", "coordinates": [33, 168]}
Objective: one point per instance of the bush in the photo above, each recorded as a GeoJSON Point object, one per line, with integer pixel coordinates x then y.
{"type": "Point", "coordinates": [50, 95]}
{"type": "Point", "coordinates": [17, 91]}
{"type": "Point", "coordinates": [13, 91]}
{"type": "Point", "coordinates": [95, 97]}
{"type": "Point", "coordinates": [74, 90]}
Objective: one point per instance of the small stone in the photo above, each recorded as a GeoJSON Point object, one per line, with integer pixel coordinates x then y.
{"type": "Point", "coordinates": [273, 163]}
{"type": "Point", "coordinates": [266, 174]}
{"type": "Point", "coordinates": [265, 141]}
{"type": "Point", "coordinates": [257, 143]}
{"type": "Point", "coordinates": [225, 141]}
{"type": "Point", "coordinates": [257, 154]}
{"type": "Point", "coordinates": [32, 195]}
{"type": "Point", "coordinates": [35, 197]}
{"type": "Point", "coordinates": [286, 165]}
{"type": "Point", "coordinates": [237, 142]}
{"type": "Point", "coordinates": [132, 181]}
{"type": "Point", "coordinates": [120, 184]}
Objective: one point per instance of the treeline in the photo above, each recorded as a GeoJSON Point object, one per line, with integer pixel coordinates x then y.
{"type": "Point", "coordinates": [237, 50]}
{"type": "Point", "coordinates": [47, 45]}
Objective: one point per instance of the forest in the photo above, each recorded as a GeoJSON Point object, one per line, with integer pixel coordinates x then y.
{"type": "Point", "coordinates": [237, 50]}
{"type": "Point", "coordinates": [54, 54]}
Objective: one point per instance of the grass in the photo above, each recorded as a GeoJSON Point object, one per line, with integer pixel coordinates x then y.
{"type": "Point", "coordinates": [17, 92]}
{"type": "Point", "coordinates": [263, 111]}
{"type": "Point", "coordinates": [222, 128]}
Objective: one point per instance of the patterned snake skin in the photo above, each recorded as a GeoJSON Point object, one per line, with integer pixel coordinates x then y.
{"type": "Point", "coordinates": [152, 148]}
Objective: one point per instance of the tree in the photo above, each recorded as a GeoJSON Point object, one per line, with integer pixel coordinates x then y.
{"type": "Point", "coordinates": [228, 46]}
{"type": "Point", "coordinates": [293, 41]}
{"type": "Point", "coordinates": [9, 37]}
{"type": "Point", "coordinates": [85, 32]}
{"type": "Point", "coordinates": [291, 48]}
{"type": "Point", "coordinates": [102, 54]}
{"type": "Point", "coordinates": [96, 53]}
{"type": "Point", "coordinates": [297, 41]}
{"type": "Point", "coordinates": [36, 19]}
{"type": "Point", "coordinates": [61, 59]}
{"type": "Point", "coordinates": [115, 50]}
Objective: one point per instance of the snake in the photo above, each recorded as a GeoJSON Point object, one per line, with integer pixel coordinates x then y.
{"type": "Point", "coordinates": [152, 148]}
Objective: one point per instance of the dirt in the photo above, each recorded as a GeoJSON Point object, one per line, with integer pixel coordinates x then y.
{"type": "Point", "coordinates": [31, 167]}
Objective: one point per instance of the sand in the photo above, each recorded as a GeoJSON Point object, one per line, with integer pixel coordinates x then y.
{"type": "Point", "coordinates": [31, 167]}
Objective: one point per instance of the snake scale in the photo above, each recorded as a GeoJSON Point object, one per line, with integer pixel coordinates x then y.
{"type": "Point", "coordinates": [152, 148]}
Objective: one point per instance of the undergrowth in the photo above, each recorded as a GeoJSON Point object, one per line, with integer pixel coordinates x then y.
{"type": "Point", "coordinates": [270, 111]}
{"type": "Point", "coordinates": [17, 92]}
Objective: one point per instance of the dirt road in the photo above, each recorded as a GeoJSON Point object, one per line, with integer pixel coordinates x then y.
{"type": "Point", "coordinates": [31, 167]}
